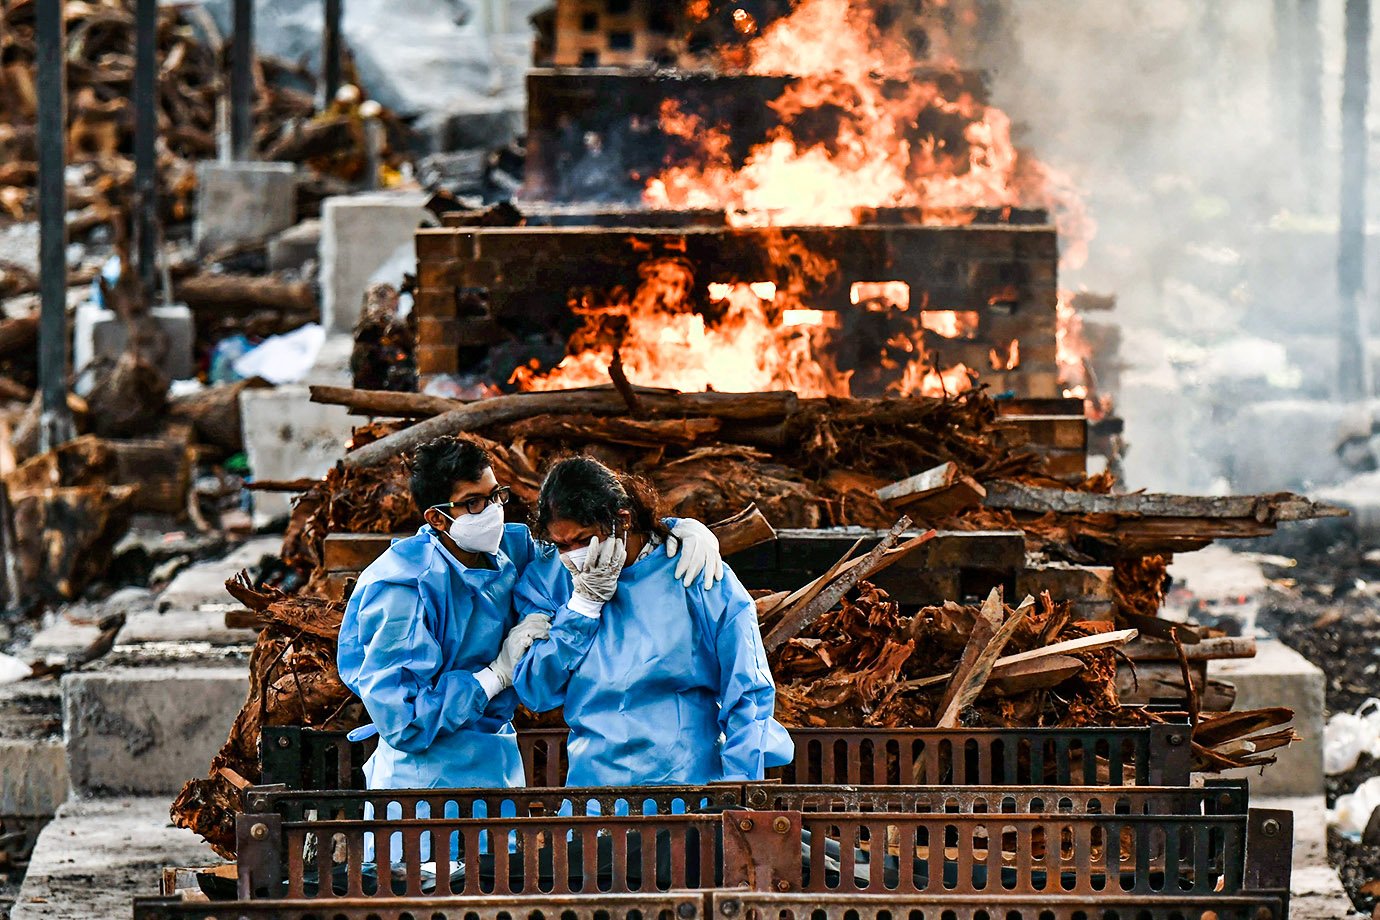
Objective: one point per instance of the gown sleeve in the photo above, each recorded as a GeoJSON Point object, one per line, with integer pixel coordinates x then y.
{"type": "Point", "coordinates": [753, 739]}
{"type": "Point", "coordinates": [544, 672]}
{"type": "Point", "coordinates": [393, 662]}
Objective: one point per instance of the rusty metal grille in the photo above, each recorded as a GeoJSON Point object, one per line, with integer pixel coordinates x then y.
{"type": "Point", "coordinates": [762, 906]}
{"type": "Point", "coordinates": [301, 758]}
{"type": "Point", "coordinates": [668, 906]}
{"type": "Point", "coordinates": [730, 905]}
{"type": "Point", "coordinates": [1221, 797]}
{"type": "Point", "coordinates": [343, 804]}
{"type": "Point", "coordinates": [826, 852]}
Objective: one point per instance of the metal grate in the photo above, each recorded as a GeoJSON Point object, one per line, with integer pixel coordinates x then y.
{"type": "Point", "coordinates": [734, 905]}
{"type": "Point", "coordinates": [882, 853]}
{"type": "Point", "coordinates": [1217, 797]}
{"type": "Point", "coordinates": [301, 758]}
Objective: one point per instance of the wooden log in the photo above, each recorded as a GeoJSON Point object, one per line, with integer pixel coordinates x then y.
{"type": "Point", "coordinates": [1229, 647]}
{"type": "Point", "coordinates": [602, 400]}
{"type": "Point", "coordinates": [746, 529]}
{"type": "Point", "coordinates": [214, 413]}
{"type": "Point", "coordinates": [244, 294]}
{"type": "Point", "coordinates": [984, 647]}
{"type": "Point", "coordinates": [1082, 645]}
{"type": "Point", "coordinates": [1026, 676]}
{"type": "Point", "coordinates": [14, 391]}
{"type": "Point", "coordinates": [934, 494]}
{"type": "Point", "coordinates": [1263, 509]}
{"type": "Point", "coordinates": [384, 403]}
{"type": "Point", "coordinates": [576, 429]}
{"type": "Point", "coordinates": [800, 615]}
{"type": "Point", "coordinates": [18, 334]}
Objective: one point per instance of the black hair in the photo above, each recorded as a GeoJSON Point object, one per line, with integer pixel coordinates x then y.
{"type": "Point", "coordinates": [438, 465]}
{"type": "Point", "coordinates": [583, 490]}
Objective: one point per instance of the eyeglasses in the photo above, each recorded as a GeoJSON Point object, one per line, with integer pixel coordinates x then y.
{"type": "Point", "coordinates": [477, 504]}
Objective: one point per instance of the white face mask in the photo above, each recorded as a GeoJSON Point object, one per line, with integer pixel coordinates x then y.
{"type": "Point", "coordinates": [575, 559]}
{"type": "Point", "coordinates": [477, 533]}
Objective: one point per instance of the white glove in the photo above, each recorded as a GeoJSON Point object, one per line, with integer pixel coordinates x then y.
{"type": "Point", "coordinates": [597, 578]}
{"type": "Point", "coordinates": [699, 553]}
{"type": "Point", "coordinates": [520, 638]}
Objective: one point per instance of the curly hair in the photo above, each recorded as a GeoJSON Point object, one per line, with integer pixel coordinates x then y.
{"type": "Point", "coordinates": [438, 465]}
{"type": "Point", "coordinates": [583, 490]}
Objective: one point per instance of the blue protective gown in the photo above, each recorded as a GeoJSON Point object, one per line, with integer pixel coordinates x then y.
{"type": "Point", "coordinates": [417, 626]}
{"type": "Point", "coordinates": [669, 686]}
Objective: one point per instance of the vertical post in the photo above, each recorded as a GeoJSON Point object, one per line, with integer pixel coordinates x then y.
{"type": "Point", "coordinates": [242, 82]}
{"type": "Point", "coordinates": [1353, 375]}
{"type": "Point", "coordinates": [145, 134]}
{"type": "Point", "coordinates": [1308, 130]}
{"type": "Point", "coordinates": [1284, 66]}
{"type": "Point", "coordinates": [330, 52]}
{"type": "Point", "coordinates": [56, 424]}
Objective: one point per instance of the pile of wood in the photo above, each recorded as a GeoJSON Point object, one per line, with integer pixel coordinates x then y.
{"type": "Point", "coordinates": [292, 681]}
{"type": "Point", "coordinates": [953, 464]}
{"type": "Point", "coordinates": [100, 73]}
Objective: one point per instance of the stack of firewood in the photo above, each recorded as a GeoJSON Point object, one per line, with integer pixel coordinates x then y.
{"type": "Point", "coordinates": [100, 73]}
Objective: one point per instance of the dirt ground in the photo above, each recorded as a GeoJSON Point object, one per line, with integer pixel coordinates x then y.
{"type": "Point", "coordinates": [1327, 606]}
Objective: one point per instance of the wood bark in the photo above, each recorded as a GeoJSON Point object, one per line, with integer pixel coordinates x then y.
{"type": "Point", "coordinates": [244, 294]}
{"type": "Point", "coordinates": [1263, 509]}
{"type": "Point", "coordinates": [596, 401]}
{"type": "Point", "coordinates": [746, 529]}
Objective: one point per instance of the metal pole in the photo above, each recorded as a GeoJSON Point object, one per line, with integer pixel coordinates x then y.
{"type": "Point", "coordinates": [330, 52]}
{"type": "Point", "coordinates": [242, 82]}
{"type": "Point", "coordinates": [55, 422]}
{"type": "Point", "coordinates": [145, 134]}
{"type": "Point", "coordinates": [1309, 129]}
{"type": "Point", "coordinates": [1353, 373]}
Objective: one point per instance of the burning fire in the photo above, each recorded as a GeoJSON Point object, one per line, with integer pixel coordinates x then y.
{"type": "Point", "coordinates": [845, 71]}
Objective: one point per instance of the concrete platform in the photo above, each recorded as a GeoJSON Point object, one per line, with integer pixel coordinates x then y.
{"type": "Point", "coordinates": [1280, 676]}
{"type": "Point", "coordinates": [201, 587]}
{"type": "Point", "coordinates": [243, 202]}
{"type": "Point", "coordinates": [33, 758]}
{"type": "Point", "coordinates": [182, 626]}
{"type": "Point", "coordinates": [287, 436]}
{"type": "Point", "coordinates": [1317, 890]}
{"type": "Point", "coordinates": [358, 234]}
{"type": "Point", "coordinates": [97, 855]}
{"type": "Point", "coordinates": [146, 730]}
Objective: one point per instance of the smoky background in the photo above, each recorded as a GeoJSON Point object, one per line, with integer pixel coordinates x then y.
{"type": "Point", "coordinates": [1205, 138]}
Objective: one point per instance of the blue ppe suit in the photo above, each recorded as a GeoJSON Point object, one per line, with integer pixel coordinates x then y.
{"type": "Point", "coordinates": [417, 626]}
{"type": "Point", "coordinates": [669, 686]}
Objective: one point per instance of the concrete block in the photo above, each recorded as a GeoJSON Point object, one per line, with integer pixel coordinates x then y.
{"type": "Point", "coordinates": [295, 246]}
{"type": "Point", "coordinates": [243, 202]}
{"type": "Point", "coordinates": [147, 730]}
{"type": "Point", "coordinates": [1316, 893]}
{"type": "Point", "coordinates": [201, 587]}
{"type": "Point", "coordinates": [1256, 459]}
{"type": "Point", "coordinates": [33, 759]}
{"type": "Point", "coordinates": [97, 855]}
{"type": "Point", "coordinates": [1280, 676]}
{"type": "Point", "coordinates": [99, 333]}
{"type": "Point", "coordinates": [358, 235]}
{"type": "Point", "coordinates": [183, 626]}
{"type": "Point", "coordinates": [287, 436]}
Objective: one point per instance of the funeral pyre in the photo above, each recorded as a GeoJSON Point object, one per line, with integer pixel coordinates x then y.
{"type": "Point", "coordinates": [843, 651]}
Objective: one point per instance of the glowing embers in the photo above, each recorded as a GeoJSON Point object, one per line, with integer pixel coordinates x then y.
{"type": "Point", "coordinates": [951, 324]}
{"type": "Point", "coordinates": [1005, 359]}
{"type": "Point", "coordinates": [886, 296]}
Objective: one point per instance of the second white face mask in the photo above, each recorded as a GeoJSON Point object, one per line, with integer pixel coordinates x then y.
{"type": "Point", "coordinates": [575, 559]}
{"type": "Point", "coordinates": [478, 533]}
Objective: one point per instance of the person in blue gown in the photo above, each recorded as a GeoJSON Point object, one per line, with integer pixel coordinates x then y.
{"type": "Point", "coordinates": [430, 638]}
{"type": "Point", "coordinates": [661, 684]}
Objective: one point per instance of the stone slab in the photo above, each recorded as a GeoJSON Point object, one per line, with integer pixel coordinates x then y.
{"type": "Point", "coordinates": [182, 626]}
{"type": "Point", "coordinates": [201, 587]}
{"type": "Point", "coordinates": [1280, 676]}
{"type": "Point", "coordinates": [100, 333]}
{"type": "Point", "coordinates": [243, 202]}
{"type": "Point", "coordinates": [96, 856]}
{"type": "Point", "coordinates": [33, 759]}
{"type": "Point", "coordinates": [287, 436]}
{"type": "Point", "coordinates": [295, 246]}
{"type": "Point", "coordinates": [358, 235]}
{"type": "Point", "coordinates": [147, 730]}
{"type": "Point", "coordinates": [1317, 892]}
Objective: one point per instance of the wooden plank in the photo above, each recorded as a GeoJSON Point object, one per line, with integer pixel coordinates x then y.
{"type": "Point", "coordinates": [1231, 647]}
{"type": "Point", "coordinates": [934, 494]}
{"type": "Point", "coordinates": [354, 551]}
{"type": "Point", "coordinates": [1263, 509]}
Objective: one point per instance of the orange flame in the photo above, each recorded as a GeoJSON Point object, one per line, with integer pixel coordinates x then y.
{"type": "Point", "coordinates": [841, 63]}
